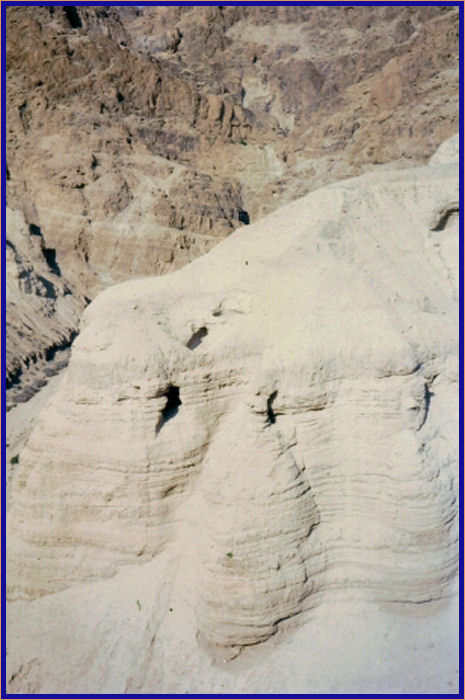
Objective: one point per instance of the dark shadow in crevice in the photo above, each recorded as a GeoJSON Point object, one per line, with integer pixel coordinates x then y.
{"type": "Point", "coordinates": [243, 216]}
{"type": "Point", "coordinates": [271, 415]}
{"type": "Point", "coordinates": [51, 355]}
{"type": "Point", "coordinates": [13, 377]}
{"type": "Point", "coordinates": [171, 407]}
{"type": "Point", "coordinates": [72, 15]}
{"type": "Point", "coordinates": [34, 230]}
{"type": "Point", "coordinates": [427, 403]}
{"type": "Point", "coordinates": [50, 256]}
{"type": "Point", "coordinates": [197, 338]}
{"type": "Point", "coordinates": [444, 218]}
{"type": "Point", "coordinates": [50, 290]}
{"type": "Point", "coordinates": [51, 351]}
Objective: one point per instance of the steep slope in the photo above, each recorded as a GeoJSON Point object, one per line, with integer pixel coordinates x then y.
{"type": "Point", "coordinates": [269, 432]}
{"type": "Point", "coordinates": [138, 138]}
{"type": "Point", "coordinates": [43, 310]}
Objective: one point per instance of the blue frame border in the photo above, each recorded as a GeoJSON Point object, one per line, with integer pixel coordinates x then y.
{"type": "Point", "coordinates": [461, 353]}
{"type": "Point", "coordinates": [3, 351]}
{"type": "Point", "coordinates": [335, 3]}
{"type": "Point", "coordinates": [233, 3]}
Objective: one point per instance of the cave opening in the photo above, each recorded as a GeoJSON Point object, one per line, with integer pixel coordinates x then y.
{"type": "Point", "coordinates": [243, 216]}
{"type": "Point", "coordinates": [197, 338]}
{"type": "Point", "coordinates": [72, 15]}
{"type": "Point", "coordinates": [34, 230]}
{"type": "Point", "coordinates": [171, 408]}
{"type": "Point", "coordinates": [271, 415]}
{"type": "Point", "coordinates": [50, 256]}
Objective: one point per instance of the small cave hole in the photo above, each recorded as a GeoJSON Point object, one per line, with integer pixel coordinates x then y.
{"type": "Point", "coordinates": [270, 414]}
{"type": "Point", "coordinates": [119, 96]}
{"type": "Point", "coordinates": [50, 256]}
{"type": "Point", "coordinates": [243, 216]}
{"type": "Point", "coordinates": [34, 230]}
{"type": "Point", "coordinates": [197, 338]}
{"type": "Point", "coordinates": [72, 15]}
{"type": "Point", "coordinates": [171, 407]}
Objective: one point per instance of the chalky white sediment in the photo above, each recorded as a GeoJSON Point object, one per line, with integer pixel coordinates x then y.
{"type": "Point", "coordinates": [313, 456]}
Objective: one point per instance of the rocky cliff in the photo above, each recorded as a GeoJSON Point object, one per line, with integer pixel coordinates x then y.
{"type": "Point", "coordinates": [43, 310]}
{"type": "Point", "coordinates": [269, 433]}
{"type": "Point", "coordinates": [138, 138]}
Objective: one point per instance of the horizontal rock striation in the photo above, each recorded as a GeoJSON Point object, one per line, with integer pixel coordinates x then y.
{"type": "Point", "coordinates": [280, 415]}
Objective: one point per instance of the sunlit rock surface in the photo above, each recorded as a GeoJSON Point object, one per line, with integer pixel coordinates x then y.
{"type": "Point", "coordinates": [239, 446]}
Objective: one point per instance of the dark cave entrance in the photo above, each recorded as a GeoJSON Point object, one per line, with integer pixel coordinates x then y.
{"type": "Point", "coordinates": [171, 408]}
{"type": "Point", "coordinates": [72, 15]}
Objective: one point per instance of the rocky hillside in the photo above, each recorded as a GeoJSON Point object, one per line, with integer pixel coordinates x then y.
{"type": "Point", "coordinates": [261, 445]}
{"type": "Point", "coordinates": [43, 310]}
{"type": "Point", "coordinates": [138, 138]}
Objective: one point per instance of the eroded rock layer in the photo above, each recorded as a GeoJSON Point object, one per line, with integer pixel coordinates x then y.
{"type": "Point", "coordinates": [280, 416]}
{"type": "Point", "coordinates": [137, 138]}
{"type": "Point", "coordinates": [43, 310]}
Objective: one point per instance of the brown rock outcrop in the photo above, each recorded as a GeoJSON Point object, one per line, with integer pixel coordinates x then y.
{"type": "Point", "coordinates": [43, 310]}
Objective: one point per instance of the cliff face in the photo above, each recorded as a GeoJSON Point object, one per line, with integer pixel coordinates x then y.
{"type": "Point", "coordinates": [43, 310]}
{"type": "Point", "coordinates": [269, 429]}
{"type": "Point", "coordinates": [138, 138]}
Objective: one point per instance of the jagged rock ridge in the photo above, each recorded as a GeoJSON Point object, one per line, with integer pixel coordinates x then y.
{"type": "Point", "coordinates": [43, 310]}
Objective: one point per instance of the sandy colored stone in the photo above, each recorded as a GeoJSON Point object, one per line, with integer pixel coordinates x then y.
{"type": "Point", "coordinates": [245, 448]}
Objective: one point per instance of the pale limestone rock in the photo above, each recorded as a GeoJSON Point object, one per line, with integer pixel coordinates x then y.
{"type": "Point", "coordinates": [268, 432]}
{"type": "Point", "coordinates": [448, 152]}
